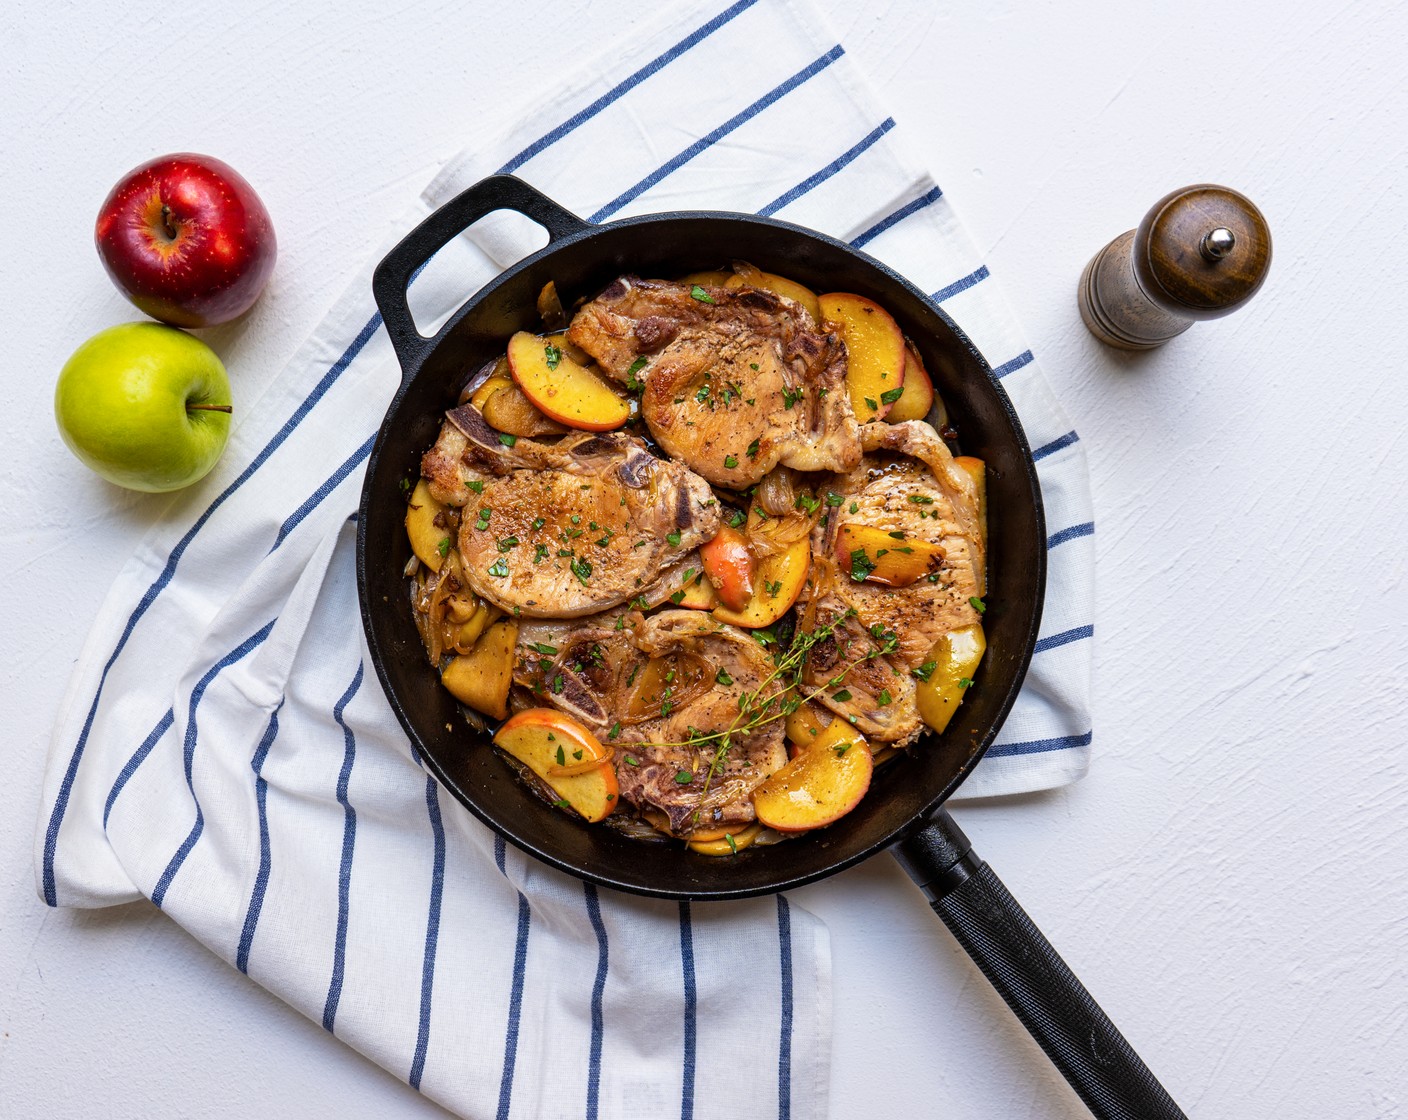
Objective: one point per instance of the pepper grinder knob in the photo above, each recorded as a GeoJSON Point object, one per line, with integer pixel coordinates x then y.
{"type": "Point", "coordinates": [1200, 253]}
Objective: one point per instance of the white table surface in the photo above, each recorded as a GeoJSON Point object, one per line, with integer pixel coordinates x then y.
{"type": "Point", "coordinates": [1229, 881]}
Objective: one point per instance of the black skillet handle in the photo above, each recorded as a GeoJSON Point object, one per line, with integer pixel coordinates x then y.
{"type": "Point", "coordinates": [393, 275]}
{"type": "Point", "coordinates": [1031, 976]}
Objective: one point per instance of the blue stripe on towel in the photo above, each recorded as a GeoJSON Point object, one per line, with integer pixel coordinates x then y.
{"type": "Point", "coordinates": [829, 170]}
{"type": "Point", "coordinates": [168, 572]}
{"type": "Point", "coordinates": [784, 1049]}
{"type": "Point", "coordinates": [1054, 446]}
{"type": "Point", "coordinates": [1025, 358]}
{"type": "Point", "coordinates": [1065, 638]}
{"type": "Point", "coordinates": [316, 498]}
{"type": "Point", "coordinates": [241, 650]}
{"type": "Point", "coordinates": [261, 877]}
{"type": "Point", "coordinates": [515, 999]}
{"type": "Point", "coordinates": [913, 207]}
{"type": "Point", "coordinates": [432, 931]}
{"type": "Point", "coordinates": [349, 842]}
{"type": "Point", "coordinates": [598, 991]}
{"type": "Point", "coordinates": [691, 1000]}
{"type": "Point", "coordinates": [139, 756]}
{"type": "Point", "coordinates": [616, 92]}
{"type": "Point", "coordinates": [976, 276]}
{"type": "Point", "coordinates": [1039, 746]}
{"type": "Point", "coordinates": [705, 142]}
{"type": "Point", "coordinates": [1084, 529]}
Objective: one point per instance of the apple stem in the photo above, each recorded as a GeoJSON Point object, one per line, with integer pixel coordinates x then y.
{"type": "Point", "coordinates": [167, 224]}
{"type": "Point", "coordinates": [210, 407]}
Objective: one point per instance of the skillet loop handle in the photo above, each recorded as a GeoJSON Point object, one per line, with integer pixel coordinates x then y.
{"type": "Point", "coordinates": [394, 274]}
{"type": "Point", "coordinates": [1030, 975]}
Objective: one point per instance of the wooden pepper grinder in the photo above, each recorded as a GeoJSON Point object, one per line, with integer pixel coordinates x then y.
{"type": "Point", "coordinates": [1200, 253]}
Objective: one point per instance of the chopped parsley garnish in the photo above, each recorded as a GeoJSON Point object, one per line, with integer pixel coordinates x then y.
{"type": "Point", "coordinates": [507, 440]}
{"type": "Point", "coordinates": [884, 698]}
{"type": "Point", "coordinates": [507, 543]}
{"type": "Point", "coordinates": [615, 730]}
{"type": "Point", "coordinates": [631, 760]}
{"type": "Point", "coordinates": [576, 519]}
{"type": "Point", "coordinates": [842, 696]}
{"type": "Point", "coordinates": [752, 365]}
{"type": "Point", "coordinates": [965, 682]}
{"type": "Point", "coordinates": [765, 637]}
{"type": "Point", "coordinates": [921, 499]}
{"type": "Point", "coordinates": [702, 394]}
{"type": "Point", "coordinates": [861, 565]}
{"type": "Point", "coordinates": [561, 757]}
{"type": "Point", "coordinates": [552, 355]}
{"type": "Point", "coordinates": [540, 553]}
{"type": "Point", "coordinates": [774, 587]}
{"type": "Point", "coordinates": [557, 683]}
{"type": "Point", "coordinates": [736, 518]}
{"type": "Point", "coordinates": [925, 671]}
{"type": "Point", "coordinates": [732, 847]}
{"type": "Point", "coordinates": [499, 568]}
{"type": "Point", "coordinates": [833, 499]}
{"type": "Point", "coordinates": [977, 604]}
{"type": "Point", "coordinates": [684, 777]}
{"type": "Point", "coordinates": [582, 570]}
{"type": "Point", "coordinates": [753, 450]}
{"type": "Point", "coordinates": [855, 507]}
{"type": "Point", "coordinates": [790, 396]}
{"type": "Point", "coordinates": [483, 520]}
{"type": "Point", "coordinates": [890, 396]}
{"type": "Point", "coordinates": [897, 534]}
{"type": "Point", "coordinates": [806, 502]}
{"type": "Point", "coordinates": [677, 598]}
{"type": "Point", "coordinates": [538, 523]}
{"type": "Point", "coordinates": [443, 548]}
{"type": "Point", "coordinates": [842, 748]}
{"type": "Point", "coordinates": [871, 404]}
{"type": "Point", "coordinates": [562, 803]}
{"type": "Point", "coordinates": [631, 383]}
{"type": "Point", "coordinates": [543, 648]}
{"type": "Point", "coordinates": [673, 538]}
{"type": "Point", "coordinates": [730, 461]}
{"type": "Point", "coordinates": [701, 295]}
{"type": "Point", "coordinates": [722, 677]}
{"type": "Point", "coordinates": [476, 486]}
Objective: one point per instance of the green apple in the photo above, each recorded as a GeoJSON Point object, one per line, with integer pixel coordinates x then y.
{"type": "Point", "coordinates": [145, 405]}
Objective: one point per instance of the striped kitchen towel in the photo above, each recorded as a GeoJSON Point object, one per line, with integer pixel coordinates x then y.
{"type": "Point", "coordinates": [224, 748]}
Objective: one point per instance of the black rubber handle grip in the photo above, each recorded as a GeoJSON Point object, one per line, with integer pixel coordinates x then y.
{"type": "Point", "coordinates": [394, 274]}
{"type": "Point", "coordinates": [1030, 975]}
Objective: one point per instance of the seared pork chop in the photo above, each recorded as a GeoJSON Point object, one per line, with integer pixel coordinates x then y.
{"type": "Point", "coordinates": [907, 483]}
{"type": "Point", "coordinates": [736, 382]}
{"type": "Point", "coordinates": [643, 684]}
{"type": "Point", "coordinates": [565, 528]}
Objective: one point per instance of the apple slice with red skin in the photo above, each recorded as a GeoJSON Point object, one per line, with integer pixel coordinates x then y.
{"type": "Point", "coordinates": [918, 391]}
{"type": "Point", "coordinates": [818, 787]}
{"type": "Point", "coordinates": [562, 388]}
{"type": "Point", "coordinates": [746, 274]}
{"type": "Point", "coordinates": [777, 583]}
{"type": "Point", "coordinates": [875, 352]}
{"type": "Point", "coordinates": [561, 752]}
{"type": "Point", "coordinates": [729, 566]}
{"type": "Point", "coordinates": [878, 556]}
{"type": "Point", "coordinates": [186, 239]}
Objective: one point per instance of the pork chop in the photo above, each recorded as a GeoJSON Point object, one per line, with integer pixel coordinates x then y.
{"type": "Point", "coordinates": [643, 684]}
{"type": "Point", "coordinates": [908, 484]}
{"type": "Point", "coordinates": [736, 380]}
{"type": "Point", "coordinates": [565, 528]}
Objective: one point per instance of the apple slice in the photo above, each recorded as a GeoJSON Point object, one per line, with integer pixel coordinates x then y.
{"type": "Point", "coordinates": [481, 678]}
{"type": "Point", "coordinates": [917, 392]}
{"type": "Point", "coordinates": [870, 554]}
{"type": "Point", "coordinates": [947, 674]}
{"type": "Point", "coordinates": [561, 751]}
{"type": "Point", "coordinates": [429, 541]}
{"type": "Point", "coordinates": [818, 787]}
{"type": "Point", "coordinates": [806, 723]}
{"type": "Point", "coordinates": [726, 843]}
{"type": "Point", "coordinates": [978, 472]}
{"type": "Point", "coordinates": [777, 584]}
{"type": "Point", "coordinates": [697, 594]}
{"type": "Point", "coordinates": [499, 379]}
{"type": "Point", "coordinates": [509, 410]}
{"type": "Point", "coordinates": [729, 566]}
{"type": "Point", "coordinates": [744, 273]}
{"type": "Point", "coordinates": [875, 352]}
{"type": "Point", "coordinates": [562, 388]}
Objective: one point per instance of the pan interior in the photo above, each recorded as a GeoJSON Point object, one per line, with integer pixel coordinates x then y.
{"type": "Point", "coordinates": [904, 789]}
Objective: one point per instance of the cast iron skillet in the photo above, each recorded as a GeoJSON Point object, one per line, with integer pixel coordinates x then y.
{"type": "Point", "coordinates": [903, 807]}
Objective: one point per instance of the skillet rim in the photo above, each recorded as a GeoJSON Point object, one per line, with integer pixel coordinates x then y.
{"type": "Point", "coordinates": [413, 365]}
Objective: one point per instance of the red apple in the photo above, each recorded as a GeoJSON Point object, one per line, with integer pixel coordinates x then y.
{"type": "Point", "coordinates": [187, 240]}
